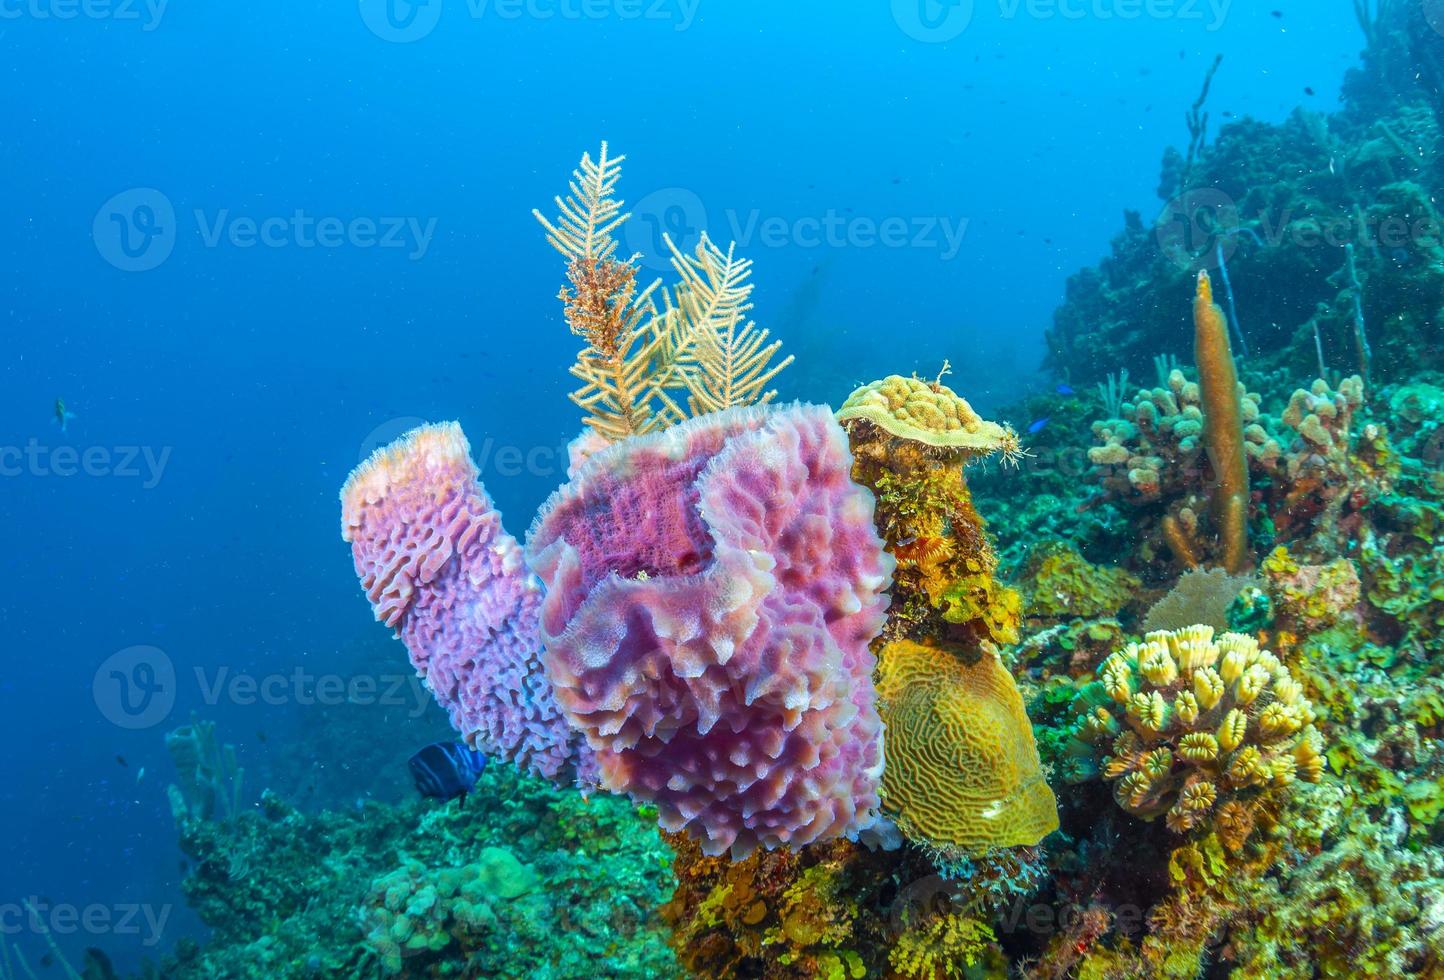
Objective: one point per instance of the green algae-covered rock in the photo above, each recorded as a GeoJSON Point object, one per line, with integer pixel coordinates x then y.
{"type": "Point", "coordinates": [503, 875]}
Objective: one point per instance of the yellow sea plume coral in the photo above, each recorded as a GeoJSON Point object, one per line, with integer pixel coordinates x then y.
{"type": "Point", "coordinates": [963, 774]}
{"type": "Point", "coordinates": [1198, 728]}
{"type": "Point", "coordinates": [928, 413]}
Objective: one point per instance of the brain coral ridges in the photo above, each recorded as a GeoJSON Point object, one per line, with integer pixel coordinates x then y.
{"type": "Point", "coordinates": [963, 775]}
{"type": "Point", "coordinates": [439, 568]}
{"type": "Point", "coordinates": [711, 594]}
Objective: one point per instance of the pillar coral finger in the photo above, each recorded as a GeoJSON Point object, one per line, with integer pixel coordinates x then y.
{"type": "Point", "coordinates": [711, 594]}
{"type": "Point", "coordinates": [439, 568]}
{"type": "Point", "coordinates": [1223, 428]}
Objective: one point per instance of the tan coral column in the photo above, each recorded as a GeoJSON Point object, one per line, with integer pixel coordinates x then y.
{"type": "Point", "coordinates": [1222, 427]}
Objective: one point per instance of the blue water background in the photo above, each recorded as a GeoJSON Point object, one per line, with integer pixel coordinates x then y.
{"type": "Point", "coordinates": [260, 375]}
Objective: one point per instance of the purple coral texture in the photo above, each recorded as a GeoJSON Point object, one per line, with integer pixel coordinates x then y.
{"type": "Point", "coordinates": [441, 570]}
{"type": "Point", "coordinates": [711, 594]}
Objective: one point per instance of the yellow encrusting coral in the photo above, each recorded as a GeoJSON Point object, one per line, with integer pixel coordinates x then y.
{"type": "Point", "coordinates": [911, 440]}
{"type": "Point", "coordinates": [943, 946]}
{"type": "Point", "coordinates": [963, 774]}
{"type": "Point", "coordinates": [1198, 728]}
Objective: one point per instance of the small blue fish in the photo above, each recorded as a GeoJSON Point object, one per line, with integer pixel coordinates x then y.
{"type": "Point", "coordinates": [1065, 390]}
{"type": "Point", "coordinates": [1039, 426]}
{"type": "Point", "coordinates": [446, 770]}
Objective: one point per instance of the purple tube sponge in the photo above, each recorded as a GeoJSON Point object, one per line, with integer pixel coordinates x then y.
{"type": "Point", "coordinates": [439, 568]}
{"type": "Point", "coordinates": [711, 593]}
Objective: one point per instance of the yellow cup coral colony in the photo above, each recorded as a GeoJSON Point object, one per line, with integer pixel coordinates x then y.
{"type": "Point", "coordinates": [963, 774]}
{"type": "Point", "coordinates": [911, 440]}
{"type": "Point", "coordinates": [1193, 726]}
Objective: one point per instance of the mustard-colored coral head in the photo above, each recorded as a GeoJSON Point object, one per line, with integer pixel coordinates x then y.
{"type": "Point", "coordinates": [963, 773]}
{"type": "Point", "coordinates": [927, 412]}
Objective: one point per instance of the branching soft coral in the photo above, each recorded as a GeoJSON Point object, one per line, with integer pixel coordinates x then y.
{"type": "Point", "coordinates": [640, 361]}
{"type": "Point", "coordinates": [724, 362]}
{"type": "Point", "coordinates": [624, 366]}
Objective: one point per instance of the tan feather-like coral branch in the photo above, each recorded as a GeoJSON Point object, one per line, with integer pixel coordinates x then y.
{"type": "Point", "coordinates": [727, 362]}
{"type": "Point", "coordinates": [589, 215]}
{"type": "Point", "coordinates": [698, 344]}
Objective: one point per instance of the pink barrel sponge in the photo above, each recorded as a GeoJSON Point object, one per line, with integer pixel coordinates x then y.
{"type": "Point", "coordinates": [711, 593]}
{"type": "Point", "coordinates": [440, 569]}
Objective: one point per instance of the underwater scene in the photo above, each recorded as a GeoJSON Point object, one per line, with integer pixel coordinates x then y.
{"type": "Point", "coordinates": [904, 489]}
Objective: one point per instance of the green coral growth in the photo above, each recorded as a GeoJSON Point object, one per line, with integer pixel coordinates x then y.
{"type": "Point", "coordinates": [520, 878]}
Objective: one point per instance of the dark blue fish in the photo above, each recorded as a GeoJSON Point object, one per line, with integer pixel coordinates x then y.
{"type": "Point", "coordinates": [446, 770]}
{"type": "Point", "coordinates": [1038, 426]}
{"type": "Point", "coordinates": [1066, 390]}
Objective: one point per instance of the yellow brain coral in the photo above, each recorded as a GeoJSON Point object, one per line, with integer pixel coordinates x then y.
{"type": "Point", "coordinates": [1197, 728]}
{"type": "Point", "coordinates": [929, 413]}
{"type": "Point", "coordinates": [963, 773]}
